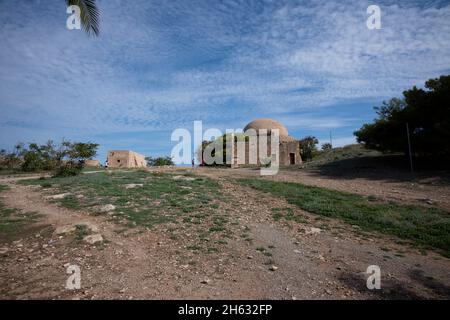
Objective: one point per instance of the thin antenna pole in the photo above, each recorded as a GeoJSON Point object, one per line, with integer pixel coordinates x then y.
{"type": "Point", "coordinates": [409, 148]}
{"type": "Point", "coordinates": [331, 140]}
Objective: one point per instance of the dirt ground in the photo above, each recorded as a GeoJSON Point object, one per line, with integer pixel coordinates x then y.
{"type": "Point", "coordinates": [326, 260]}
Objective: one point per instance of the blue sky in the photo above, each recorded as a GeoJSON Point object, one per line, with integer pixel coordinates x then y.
{"type": "Point", "coordinates": [160, 65]}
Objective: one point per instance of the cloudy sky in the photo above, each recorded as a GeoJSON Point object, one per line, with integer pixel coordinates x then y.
{"type": "Point", "coordinates": [160, 65]}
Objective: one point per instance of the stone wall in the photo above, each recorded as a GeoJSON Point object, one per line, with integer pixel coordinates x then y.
{"type": "Point", "coordinates": [126, 159]}
{"type": "Point", "coordinates": [289, 153]}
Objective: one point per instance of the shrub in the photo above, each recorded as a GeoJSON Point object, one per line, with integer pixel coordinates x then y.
{"type": "Point", "coordinates": [68, 171]}
{"type": "Point", "coordinates": [66, 159]}
{"type": "Point", "coordinates": [308, 147]}
{"type": "Point", "coordinates": [160, 161]}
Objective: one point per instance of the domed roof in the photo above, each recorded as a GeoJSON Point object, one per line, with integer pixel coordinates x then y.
{"type": "Point", "coordinates": [268, 124]}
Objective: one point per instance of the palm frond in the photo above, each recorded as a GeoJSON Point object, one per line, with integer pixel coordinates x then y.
{"type": "Point", "coordinates": [90, 15]}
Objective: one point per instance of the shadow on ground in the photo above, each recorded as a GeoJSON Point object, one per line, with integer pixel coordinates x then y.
{"type": "Point", "coordinates": [394, 168]}
{"type": "Point", "coordinates": [430, 283]}
{"type": "Point", "coordinates": [390, 289]}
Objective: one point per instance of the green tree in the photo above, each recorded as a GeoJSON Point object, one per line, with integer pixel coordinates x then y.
{"type": "Point", "coordinates": [426, 111]}
{"type": "Point", "coordinates": [71, 157]}
{"type": "Point", "coordinates": [308, 147]}
{"type": "Point", "coordinates": [327, 146]}
{"type": "Point", "coordinates": [66, 159]}
{"type": "Point", "coordinates": [159, 161]}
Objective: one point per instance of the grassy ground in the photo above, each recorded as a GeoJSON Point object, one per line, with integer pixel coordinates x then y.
{"type": "Point", "coordinates": [424, 226]}
{"type": "Point", "coordinates": [12, 221]}
{"type": "Point", "coordinates": [174, 202]}
{"type": "Point", "coordinates": [337, 155]}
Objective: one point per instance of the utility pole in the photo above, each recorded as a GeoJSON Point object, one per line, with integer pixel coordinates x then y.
{"type": "Point", "coordinates": [409, 148]}
{"type": "Point", "coordinates": [331, 140]}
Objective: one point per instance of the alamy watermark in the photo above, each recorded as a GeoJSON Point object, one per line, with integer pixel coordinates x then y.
{"type": "Point", "coordinates": [374, 279]}
{"type": "Point", "coordinates": [374, 20]}
{"type": "Point", "coordinates": [74, 280]}
{"type": "Point", "coordinates": [74, 20]}
{"type": "Point", "coordinates": [235, 147]}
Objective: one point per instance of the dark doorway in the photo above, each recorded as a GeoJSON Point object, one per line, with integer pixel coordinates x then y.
{"type": "Point", "coordinates": [291, 158]}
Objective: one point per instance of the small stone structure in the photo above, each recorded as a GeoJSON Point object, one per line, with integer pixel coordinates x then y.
{"type": "Point", "coordinates": [126, 159]}
{"type": "Point", "coordinates": [92, 163]}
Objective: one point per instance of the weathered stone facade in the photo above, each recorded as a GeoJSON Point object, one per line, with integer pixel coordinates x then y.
{"type": "Point", "coordinates": [92, 163]}
{"type": "Point", "coordinates": [126, 159]}
{"type": "Point", "coordinates": [289, 147]}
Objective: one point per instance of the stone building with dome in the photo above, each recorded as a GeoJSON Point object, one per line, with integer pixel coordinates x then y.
{"type": "Point", "coordinates": [289, 147]}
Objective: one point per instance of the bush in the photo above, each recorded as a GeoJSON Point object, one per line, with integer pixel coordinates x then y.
{"type": "Point", "coordinates": [159, 162]}
{"type": "Point", "coordinates": [327, 146]}
{"type": "Point", "coordinates": [308, 147]}
{"type": "Point", "coordinates": [66, 159]}
{"type": "Point", "coordinates": [69, 170]}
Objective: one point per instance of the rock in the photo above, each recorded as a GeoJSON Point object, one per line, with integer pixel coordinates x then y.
{"type": "Point", "coordinates": [183, 178]}
{"type": "Point", "coordinates": [328, 292]}
{"type": "Point", "coordinates": [4, 250]}
{"type": "Point", "coordinates": [313, 230]}
{"type": "Point", "coordinates": [134, 185]}
{"type": "Point", "coordinates": [93, 238]}
{"type": "Point", "coordinates": [249, 257]}
{"type": "Point", "coordinates": [90, 226]}
{"type": "Point", "coordinates": [297, 251]}
{"type": "Point", "coordinates": [65, 229]}
{"type": "Point", "coordinates": [58, 196]}
{"type": "Point", "coordinates": [107, 208]}
{"type": "Point", "coordinates": [206, 281]}
{"type": "Point", "coordinates": [71, 228]}
{"type": "Point", "coordinates": [273, 268]}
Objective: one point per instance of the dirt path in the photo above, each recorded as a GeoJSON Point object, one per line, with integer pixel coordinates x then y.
{"type": "Point", "coordinates": [264, 259]}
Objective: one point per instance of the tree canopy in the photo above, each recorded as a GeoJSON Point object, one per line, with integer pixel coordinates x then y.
{"type": "Point", "coordinates": [427, 113]}
{"type": "Point", "coordinates": [66, 158]}
{"type": "Point", "coordinates": [159, 161]}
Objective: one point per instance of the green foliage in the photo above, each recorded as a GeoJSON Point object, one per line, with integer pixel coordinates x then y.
{"type": "Point", "coordinates": [80, 152]}
{"type": "Point", "coordinates": [327, 146]}
{"type": "Point", "coordinates": [159, 161]}
{"type": "Point", "coordinates": [12, 161]}
{"type": "Point", "coordinates": [66, 159]}
{"type": "Point", "coordinates": [308, 147]}
{"type": "Point", "coordinates": [68, 170]}
{"type": "Point", "coordinates": [427, 111]}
